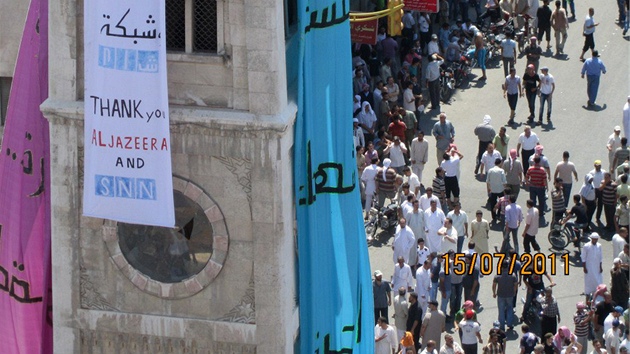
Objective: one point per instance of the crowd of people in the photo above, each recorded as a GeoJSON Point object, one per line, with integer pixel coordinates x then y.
{"type": "Point", "coordinates": [435, 239]}
{"type": "Point", "coordinates": [434, 231]}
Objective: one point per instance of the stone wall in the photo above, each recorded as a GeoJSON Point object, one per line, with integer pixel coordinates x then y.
{"type": "Point", "coordinates": [12, 18]}
{"type": "Point", "coordinates": [237, 162]}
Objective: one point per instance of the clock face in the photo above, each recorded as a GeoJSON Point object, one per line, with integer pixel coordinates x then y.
{"type": "Point", "coordinates": [170, 255]}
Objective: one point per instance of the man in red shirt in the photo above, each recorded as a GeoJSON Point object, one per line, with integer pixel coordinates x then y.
{"type": "Point", "coordinates": [537, 181]}
{"type": "Point", "coordinates": [397, 127]}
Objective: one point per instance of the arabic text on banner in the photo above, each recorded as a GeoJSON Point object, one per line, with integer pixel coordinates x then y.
{"type": "Point", "coordinates": [336, 310]}
{"type": "Point", "coordinates": [128, 174]}
{"type": "Point", "coordinates": [25, 270]}
{"type": "Point", "coordinates": [430, 6]}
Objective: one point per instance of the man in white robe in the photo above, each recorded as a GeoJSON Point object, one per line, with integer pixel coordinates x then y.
{"type": "Point", "coordinates": [415, 221]}
{"type": "Point", "coordinates": [592, 264]}
{"type": "Point", "coordinates": [423, 285]}
{"type": "Point", "coordinates": [402, 275]}
{"type": "Point", "coordinates": [434, 220]}
{"type": "Point", "coordinates": [404, 241]}
{"type": "Point", "coordinates": [385, 338]}
{"type": "Point", "coordinates": [369, 178]}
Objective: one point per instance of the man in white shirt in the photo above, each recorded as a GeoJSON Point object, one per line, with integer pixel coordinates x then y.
{"type": "Point", "coordinates": [508, 53]}
{"type": "Point", "coordinates": [614, 142]}
{"type": "Point", "coordinates": [423, 252]}
{"type": "Point", "coordinates": [612, 338]}
{"type": "Point", "coordinates": [588, 30]}
{"type": "Point", "coordinates": [404, 240]}
{"type": "Point", "coordinates": [385, 338]}
{"type": "Point", "coordinates": [526, 143]}
{"type": "Point", "coordinates": [419, 154]}
{"type": "Point", "coordinates": [403, 278]}
{"type": "Point", "coordinates": [423, 285]}
{"type": "Point", "coordinates": [369, 178]}
{"type": "Point", "coordinates": [598, 176]}
{"type": "Point", "coordinates": [547, 86]}
{"type": "Point", "coordinates": [531, 227]}
{"type": "Point", "coordinates": [564, 170]}
{"type": "Point", "coordinates": [434, 46]}
{"type": "Point", "coordinates": [488, 158]}
{"type": "Point", "coordinates": [449, 236]}
{"type": "Point", "coordinates": [409, 99]}
{"type": "Point", "coordinates": [619, 241]}
{"type": "Point", "coordinates": [427, 198]}
{"type": "Point", "coordinates": [451, 347]}
{"type": "Point", "coordinates": [615, 314]}
{"type": "Point", "coordinates": [450, 165]}
{"type": "Point", "coordinates": [397, 151]}
{"type": "Point", "coordinates": [434, 220]}
{"type": "Point", "coordinates": [433, 79]}
{"type": "Point", "coordinates": [495, 185]}
{"type": "Point", "coordinates": [412, 179]}
{"type": "Point", "coordinates": [460, 223]}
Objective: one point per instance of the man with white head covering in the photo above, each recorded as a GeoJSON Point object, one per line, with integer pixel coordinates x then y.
{"type": "Point", "coordinates": [367, 121]}
{"type": "Point", "coordinates": [626, 118]}
{"type": "Point", "coordinates": [592, 264]}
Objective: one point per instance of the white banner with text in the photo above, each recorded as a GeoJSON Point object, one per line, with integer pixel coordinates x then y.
{"type": "Point", "coordinates": [127, 174]}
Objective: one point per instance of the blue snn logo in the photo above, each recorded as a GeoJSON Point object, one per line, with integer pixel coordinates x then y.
{"type": "Point", "coordinates": [125, 187]}
{"type": "Point", "coordinates": [142, 61]}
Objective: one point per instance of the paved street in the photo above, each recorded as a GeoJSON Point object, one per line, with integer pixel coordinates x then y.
{"type": "Point", "coordinates": [582, 132]}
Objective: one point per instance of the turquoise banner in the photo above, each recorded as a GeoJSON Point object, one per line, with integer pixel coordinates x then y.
{"type": "Point", "coordinates": [336, 302]}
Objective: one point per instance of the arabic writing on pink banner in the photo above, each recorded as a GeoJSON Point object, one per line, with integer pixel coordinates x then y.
{"type": "Point", "coordinates": [25, 274]}
{"type": "Point", "coordinates": [430, 6]}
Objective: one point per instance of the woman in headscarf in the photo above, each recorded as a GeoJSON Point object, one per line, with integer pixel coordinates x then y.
{"type": "Point", "coordinates": [513, 172]}
{"type": "Point", "coordinates": [367, 121]}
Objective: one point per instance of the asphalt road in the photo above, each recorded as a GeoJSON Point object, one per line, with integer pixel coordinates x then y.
{"type": "Point", "coordinates": [582, 132]}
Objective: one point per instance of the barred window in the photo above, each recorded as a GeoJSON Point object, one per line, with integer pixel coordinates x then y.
{"type": "Point", "coordinates": [5, 88]}
{"type": "Point", "coordinates": [191, 26]}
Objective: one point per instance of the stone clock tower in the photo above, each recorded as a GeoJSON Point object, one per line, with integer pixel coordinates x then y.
{"type": "Point", "coordinates": [224, 280]}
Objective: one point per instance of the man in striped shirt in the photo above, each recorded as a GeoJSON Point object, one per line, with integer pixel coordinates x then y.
{"type": "Point", "coordinates": [385, 187]}
{"type": "Point", "coordinates": [537, 181]}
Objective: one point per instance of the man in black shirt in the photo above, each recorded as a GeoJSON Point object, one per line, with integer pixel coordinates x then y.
{"type": "Point", "coordinates": [531, 83]}
{"type": "Point", "coordinates": [544, 22]}
{"type": "Point", "coordinates": [579, 212]}
{"type": "Point", "coordinates": [414, 319]}
{"type": "Point", "coordinates": [602, 310]}
{"type": "Point", "coordinates": [533, 52]}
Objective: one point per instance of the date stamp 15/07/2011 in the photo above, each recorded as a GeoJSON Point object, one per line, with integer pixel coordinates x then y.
{"type": "Point", "coordinates": [535, 264]}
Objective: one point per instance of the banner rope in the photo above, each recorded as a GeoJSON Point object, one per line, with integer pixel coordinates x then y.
{"type": "Point", "coordinates": [369, 16]}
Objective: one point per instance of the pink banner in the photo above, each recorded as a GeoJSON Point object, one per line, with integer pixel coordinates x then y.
{"type": "Point", "coordinates": [25, 274]}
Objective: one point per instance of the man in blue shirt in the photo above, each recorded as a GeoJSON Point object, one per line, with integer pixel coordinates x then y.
{"type": "Point", "coordinates": [593, 68]}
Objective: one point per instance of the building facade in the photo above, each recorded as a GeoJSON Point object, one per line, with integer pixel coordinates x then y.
{"type": "Point", "coordinates": [230, 285]}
